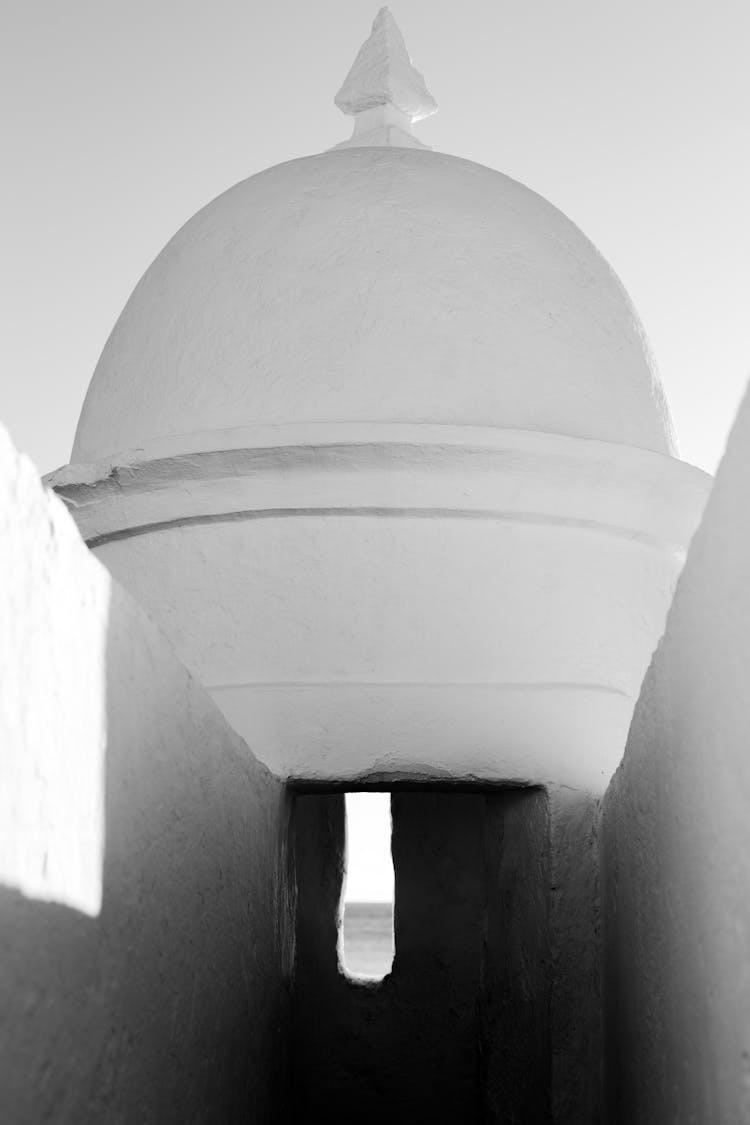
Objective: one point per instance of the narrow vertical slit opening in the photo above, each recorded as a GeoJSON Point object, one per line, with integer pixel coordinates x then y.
{"type": "Point", "coordinates": [366, 943]}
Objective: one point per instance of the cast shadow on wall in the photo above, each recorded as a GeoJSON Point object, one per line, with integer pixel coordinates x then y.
{"type": "Point", "coordinates": [169, 1004]}
{"type": "Point", "coordinates": [471, 1024]}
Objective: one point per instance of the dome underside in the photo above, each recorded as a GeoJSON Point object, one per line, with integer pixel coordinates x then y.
{"type": "Point", "coordinates": [376, 285]}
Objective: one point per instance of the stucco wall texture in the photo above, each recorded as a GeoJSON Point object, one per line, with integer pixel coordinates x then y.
{"type": "Point", "coordinates": [376, 285]}
{"type": "Point", "coordinates": [676, 843]}
{"type": "Point", "coordinates": [144, 936]}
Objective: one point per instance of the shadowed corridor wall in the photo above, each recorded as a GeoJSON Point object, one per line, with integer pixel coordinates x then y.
{"type": "Point", "coordinates": [147, 950]}
{"type": "Point", "coordinates": [462, 1029]}
{"type": "Point", "coordinates": [676, 843]}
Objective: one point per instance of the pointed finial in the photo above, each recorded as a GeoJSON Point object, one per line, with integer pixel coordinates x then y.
{"type": "Point", "coordinates": [383, 91]}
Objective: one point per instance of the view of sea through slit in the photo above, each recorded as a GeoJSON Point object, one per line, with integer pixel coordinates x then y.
{"type": "Point", "coordinates": [366, 941]}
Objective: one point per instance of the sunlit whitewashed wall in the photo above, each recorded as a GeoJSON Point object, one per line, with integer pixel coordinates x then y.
{"type": "Point", "coordinates": [676, 841]}
{"type": "Point", "coordinates": [143, 898]}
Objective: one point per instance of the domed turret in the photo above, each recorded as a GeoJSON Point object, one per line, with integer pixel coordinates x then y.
{"type": "Point", "coordinates": [379, 440]}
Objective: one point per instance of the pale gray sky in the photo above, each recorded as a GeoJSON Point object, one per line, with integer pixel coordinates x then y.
{"type": "Point", "coordinates": [123, 118]}
{"type": "Point", "coordinates": [369, 874]}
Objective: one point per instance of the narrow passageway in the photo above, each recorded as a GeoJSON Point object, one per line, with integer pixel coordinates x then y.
{"type": "Point", "coordinates": [458, 1031]}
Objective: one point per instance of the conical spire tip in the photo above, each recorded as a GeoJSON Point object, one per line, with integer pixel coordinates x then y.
{"type": "Point", "coordinates": [385, 86]}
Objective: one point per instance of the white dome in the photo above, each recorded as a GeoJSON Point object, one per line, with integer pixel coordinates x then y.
{"type": "Point", "coordinates": [378, 441]}
{"type": "Point", "coordinates": [376, 285]}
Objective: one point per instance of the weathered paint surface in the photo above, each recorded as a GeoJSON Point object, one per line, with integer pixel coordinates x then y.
{"type": "Point", "coordinates": [144, 911]}
{"type": "Point", "coordinates": [471, 1025]}
{"type": "Point", "coordinates": [676, 843]}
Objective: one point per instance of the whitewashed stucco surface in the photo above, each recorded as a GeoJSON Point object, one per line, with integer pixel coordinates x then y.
{"type": "Point", "coordinates": [54, 613]}
{"type": "Point", "coordinates": [405, 600]}
{"type": "Point", "coordinates": [379, 443]}
{"type": "Point", "coordinates": [676, 838]}
{"type": "Point", "coordinates": [376, 285]}
{"type": "Point", "coordinates": [143, 908]}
